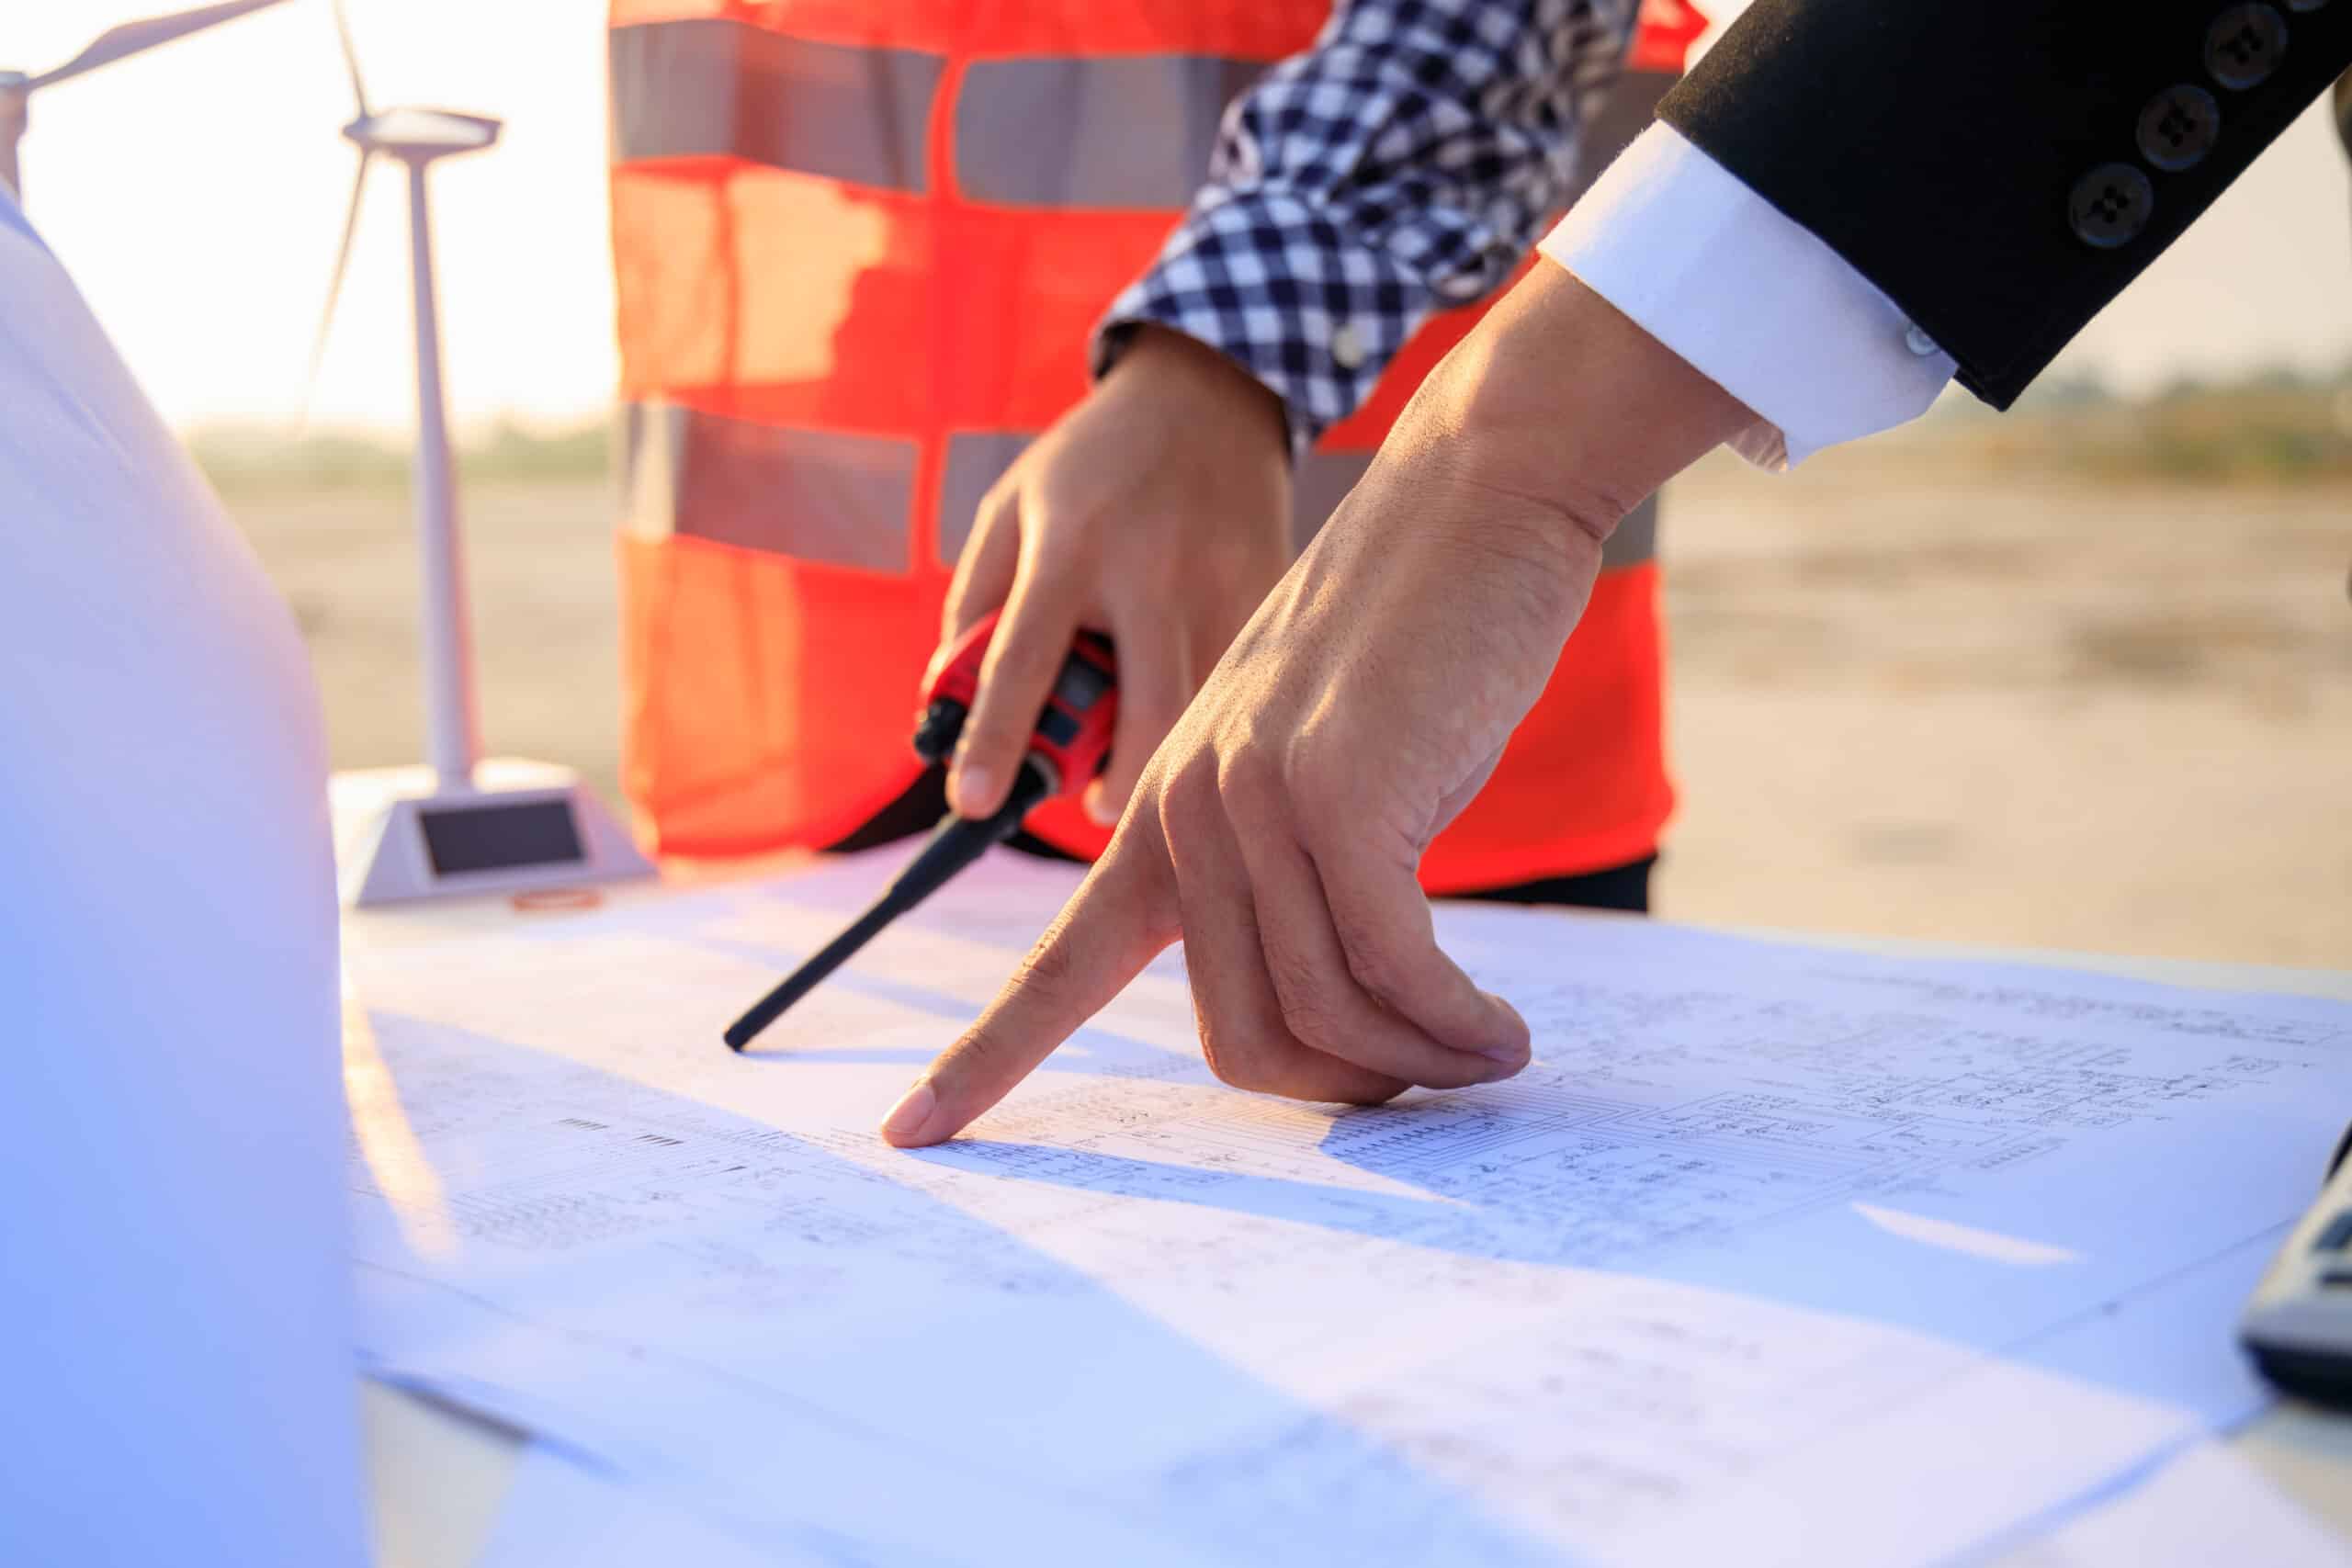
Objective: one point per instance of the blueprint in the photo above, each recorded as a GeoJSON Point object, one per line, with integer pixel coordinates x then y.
{"type": "Point", "coordinates": [2203, 1506]}
{"type": "Point", "coordinates": [2200, 1506]}
{"type": "Point", "coordinates": [1781, 1251]}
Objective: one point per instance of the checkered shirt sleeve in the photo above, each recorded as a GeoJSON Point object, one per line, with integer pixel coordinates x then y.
{"type": "Point", "coordinates": [1403, 163]}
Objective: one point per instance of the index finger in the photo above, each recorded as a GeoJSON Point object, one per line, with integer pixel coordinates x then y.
{"type": "Point", "coordinates": [1118, 921]}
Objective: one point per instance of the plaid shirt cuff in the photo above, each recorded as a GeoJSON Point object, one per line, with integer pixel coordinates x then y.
{"type": "Point", "coordinates": [1403, 162]}
{"type": "Point", "coordinates": [1276, 286]}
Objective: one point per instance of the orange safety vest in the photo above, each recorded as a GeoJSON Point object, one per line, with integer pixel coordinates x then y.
{"type": "Point", "coordinates": [861, 246]}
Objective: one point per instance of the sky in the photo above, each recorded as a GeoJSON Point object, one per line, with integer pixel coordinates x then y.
{"type": "Point", "coordinates": [197, 193]}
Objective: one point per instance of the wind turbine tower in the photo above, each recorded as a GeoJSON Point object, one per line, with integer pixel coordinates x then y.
{"type": "Point", "coordinates": [469, 826]}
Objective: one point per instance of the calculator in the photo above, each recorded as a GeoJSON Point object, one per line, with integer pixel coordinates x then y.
{"type": "Point", "coordinates": [2299, 1324]}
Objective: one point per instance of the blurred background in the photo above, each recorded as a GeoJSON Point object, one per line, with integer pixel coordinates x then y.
{"type": "Point", "coordinates": [2080, 676]}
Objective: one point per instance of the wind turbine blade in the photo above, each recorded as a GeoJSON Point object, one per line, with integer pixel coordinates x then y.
{"type": "Point", "coordinates": [350, 57]}
{"type": "Point", "coordinates": [334, 286]}
{"type": "Point", "coordinates": [131, 37]}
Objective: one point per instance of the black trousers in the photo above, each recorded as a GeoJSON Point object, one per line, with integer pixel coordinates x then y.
{"type": "Point", "coordinates": [1625, 887]}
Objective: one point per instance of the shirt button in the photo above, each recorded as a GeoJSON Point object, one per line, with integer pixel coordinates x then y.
{"type": "Point", "coordinates": [1918, 341]}
{"type": "Point", "coordinates": [2109, 206]}
{"type": "Point", "coordinates": [1347, 347]}
{"type": "Point", "coordinates": [2179, 126]}
{"type": "Point", "coordinates": [2244, 45]}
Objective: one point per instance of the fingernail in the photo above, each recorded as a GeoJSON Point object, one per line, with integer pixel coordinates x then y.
{"type": "Point", "coordinates": [907, 1118]}
{"type": "Point", "coordinates": [1515, 1051]}
{"type": "Point", "coordinates": [1099, 808]}
{"type": "Point", "coordinates": [971, 785]}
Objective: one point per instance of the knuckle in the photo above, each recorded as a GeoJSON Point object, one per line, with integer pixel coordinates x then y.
{"type": "Point", "coordinates": [1186, 792]}
{"type": "Point", "coordinates": [1244, 773]}
{"type": "Point", "coordinates": [971, 558]}
{"type": "Point", "coordinates": [1151, 782]}
{"type": "Point", "coordinates": [1221, 1061]}
{"type": "Point", "coordinates": [1002, 498]}
{"type": "Point", "coordinates": [1231, 1061]}
{"type": "Point", "coordinates": [1048, 969]}
{"type": "Point", "coordinates": [1057, 510]}
{"type": "Point", "coordinates": [1377, 970]}
{"type": "Point", "coordinates": [969, 1056]}
{"type": "Point", "coordinates": [1310, 1010]}
{"type": "Point", "coordinates": [1054, 549]}
{"type": "Point", "coordinates": [1311, 1021]}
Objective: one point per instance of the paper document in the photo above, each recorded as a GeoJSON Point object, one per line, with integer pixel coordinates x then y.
{"type": "Point", "coordinates": [562, 1514]}
{"type": "Point", "coordinates": [1776, 1253]}
{"type": "Point", "coordinates": [2206, 1506]}
{"type": "Point", "coordinates": [2200, 1507]}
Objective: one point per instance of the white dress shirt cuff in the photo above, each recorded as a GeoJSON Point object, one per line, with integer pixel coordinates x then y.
{"type": "Point", "coordinates": [1750, 299]}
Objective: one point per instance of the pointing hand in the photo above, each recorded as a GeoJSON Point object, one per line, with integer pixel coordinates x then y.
{"type": "Point", "coordinates": [1278, 828]}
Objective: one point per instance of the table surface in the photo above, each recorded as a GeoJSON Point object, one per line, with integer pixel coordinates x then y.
{"type": "Point", "coordinates": [439, 1475]}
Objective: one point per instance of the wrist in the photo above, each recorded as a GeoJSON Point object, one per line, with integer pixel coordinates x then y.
{"type": "Point", "coordinates": [1193, 379]}
{"type": "Point", "coordinates": [1560, 399]}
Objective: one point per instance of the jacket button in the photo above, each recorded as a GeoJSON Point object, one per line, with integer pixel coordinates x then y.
{"type": "Point", "coordinates": [2178, 128]}
{"type": "Point", "coordinates": [2244, 45]}
{"type": "Point", "coordinates": [2110, 205]}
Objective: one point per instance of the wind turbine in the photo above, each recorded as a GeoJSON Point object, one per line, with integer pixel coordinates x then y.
{"type": "Point", "coordinates": [466, 825]}
{"type": "Point", "coordinates": [116, 43]}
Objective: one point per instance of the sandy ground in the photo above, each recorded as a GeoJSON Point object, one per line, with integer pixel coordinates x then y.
{"type": "Point", "coordinates": [1908, 698]}
{"type": "Point", "coordinates": [1913, 701]}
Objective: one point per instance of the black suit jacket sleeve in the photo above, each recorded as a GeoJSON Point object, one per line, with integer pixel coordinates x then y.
{"type": "Point", "coordinates": [2002, 168]}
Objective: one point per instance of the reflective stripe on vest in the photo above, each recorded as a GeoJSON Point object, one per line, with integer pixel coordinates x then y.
{"type": "Point", "coordinates": [1133, 130]}
{"type": "Point", "coordinates": [811, 494]}
{"type": "Point", "coordinates": [849, 500]}
{"type": "Point", "coordinates": [1129, 131]}
{"type": "Point", "coordinates": [703, 87]}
